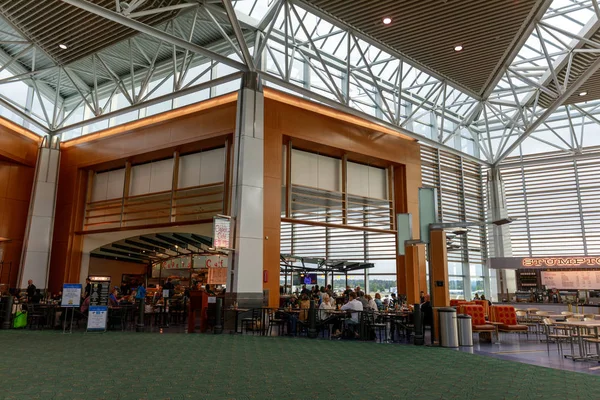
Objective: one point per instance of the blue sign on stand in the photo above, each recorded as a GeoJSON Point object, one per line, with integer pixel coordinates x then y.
{"type": "Point", "coordinates": [97, 318]}
{"type": "Point", "coordinates": [71, 295]}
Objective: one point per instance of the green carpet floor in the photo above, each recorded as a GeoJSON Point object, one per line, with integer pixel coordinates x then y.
{"type": "Point", "coordinates": [50, 365]}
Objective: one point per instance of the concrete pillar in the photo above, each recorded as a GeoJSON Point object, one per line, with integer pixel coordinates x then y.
{"type": "Point", "coordinates": [245, 278]}
{"type": "Point", "coordinates": [35, 259]}
{"type": "Point", "coordinates": [499, 236]}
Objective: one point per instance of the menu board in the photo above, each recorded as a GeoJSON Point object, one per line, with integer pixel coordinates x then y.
{"type": "Point", "coordinates": [71, 295]}
{"type": "Point", "coordinates": [217, 276]}
{"type": "Point", "coordinates": [221, 232]}
{"type": "Point", "coordinates": [99, 293]}
{"type": "Point", "coordinates": [589, 279]}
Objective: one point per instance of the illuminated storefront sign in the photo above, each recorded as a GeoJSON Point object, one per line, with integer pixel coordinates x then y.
{"type": "Point", "coordinates": [221, 232]}
{"type": "Point", "coordinates": [544, 262]}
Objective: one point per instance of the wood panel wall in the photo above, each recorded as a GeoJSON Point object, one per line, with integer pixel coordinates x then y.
{"type": "Point", "coordinates": [144, 142]}
{"type": "Point", "coordinates": [320, 129]}
{"type": "Point", "coordinates": [18, 156]}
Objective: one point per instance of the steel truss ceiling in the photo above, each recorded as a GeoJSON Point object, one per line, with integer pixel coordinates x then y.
{"type": "Point", "coordinates": [171, 49]}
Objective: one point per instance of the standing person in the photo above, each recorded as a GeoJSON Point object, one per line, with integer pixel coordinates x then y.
{"type": "Point", "coordinates": [88, 288]}
{"type": "Point", "coordinates": [304, 290]}
{"type": "Point", "coordinates": [427, 311]}
{"type": "Point", "coordinates": [30, 290]}
{"type": "Point", "coordinates": [171, 288]}
{"type": "Point", "coordinates": [208, 290]}
{"type": "Point", "coordinates": [140, 292]}
{"type": "Point", "coordinates": [112, 298]}
{"type": "Point", "coordinates": [421, 297]}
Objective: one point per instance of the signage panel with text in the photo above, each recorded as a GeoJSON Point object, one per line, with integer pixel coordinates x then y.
{"type": "Point", "coordinates": [544, 262]}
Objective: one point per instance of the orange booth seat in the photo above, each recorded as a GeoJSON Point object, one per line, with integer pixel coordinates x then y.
{"type": "Point", "coordinates": [485, 305]}
{"type": "Point", "coordinates": [507, 317]}
{"type": "Point", "coordinates": [478, 322]}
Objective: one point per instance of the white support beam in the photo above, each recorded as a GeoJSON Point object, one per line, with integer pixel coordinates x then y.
{"type": "Point", "coordinates": [157, 33]}
{"type": "Point", "coordinates": [553, 107]}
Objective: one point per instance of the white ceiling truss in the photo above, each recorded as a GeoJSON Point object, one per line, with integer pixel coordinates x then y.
{"type": "Point", "coordinates": [535, 106]}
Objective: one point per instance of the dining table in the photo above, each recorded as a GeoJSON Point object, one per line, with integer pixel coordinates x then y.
{"type": "Point", "coordinates": [581, 327]}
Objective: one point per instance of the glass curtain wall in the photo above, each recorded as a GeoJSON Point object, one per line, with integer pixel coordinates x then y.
{"type": "Point", "coordinates": [460, 186]}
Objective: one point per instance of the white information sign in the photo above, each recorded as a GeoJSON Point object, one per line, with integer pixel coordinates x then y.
{"type": "Point", "coordinates": [97, 318]}
{"type": "Point", "coordinates": [221, 232]}
{"type": "Point", "coordinates": [571, 279]}
{"type": "Point", "coordinates": [71, 295]}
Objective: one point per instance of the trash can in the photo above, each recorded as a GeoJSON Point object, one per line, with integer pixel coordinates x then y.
{"type": "Point", "coordinates": [465, 332]}
{"type": "Point", "coordinates": [448, 327]}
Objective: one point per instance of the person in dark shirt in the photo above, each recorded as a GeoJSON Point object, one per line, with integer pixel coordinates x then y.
{"type": "Point", "coordinates": [30, 290]}
{"type": "Point", "coordinates": [171, 288]}
{"type": "Point", "coordinates": [37, 297]}
{"type": "Point", "coordinates": [427, 311]}
{"type": "Point", "coordinates": [88, 288]}
{"type": "Point", "coordinates": [208, 290]}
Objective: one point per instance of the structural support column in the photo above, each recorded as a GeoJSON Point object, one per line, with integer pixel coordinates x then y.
{"type": "Point", "coordinates": [35, 261]}
{"type": "Point", "coordinates": [500, 245]}
{"type": "Point", "coordinates": [415, 267]}
{"type": "Point", "coordinates": [245, 280]}
{"type": "Point", "coordinates": [439, 268]}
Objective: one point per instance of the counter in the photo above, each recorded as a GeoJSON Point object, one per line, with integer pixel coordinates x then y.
{"type": "Point", "coordinates": [555, 307]}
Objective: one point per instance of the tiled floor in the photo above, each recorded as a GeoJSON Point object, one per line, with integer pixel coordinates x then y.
{"type": "Point", "coordinates": [532, 351]}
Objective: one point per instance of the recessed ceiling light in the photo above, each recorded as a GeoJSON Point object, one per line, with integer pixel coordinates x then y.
{"type": "Point", "coordinates": [62, 46]}
{"type": "Point", "coordinates": [458, 48]}
{"type": "Point", "coordinates": [583, 93]}
{"type": "Point", "coordinates": [387, 21]}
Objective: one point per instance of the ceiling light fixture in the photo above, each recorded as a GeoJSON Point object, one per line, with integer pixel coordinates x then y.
{"type": "Point", "coordinates": [584, 93]}
{"type": "Point", "coordinates": [458, 48]}
{"type": "Point", "coordinates": [387, 21]}
{"type": "Point", "coordinates": [62, 46]}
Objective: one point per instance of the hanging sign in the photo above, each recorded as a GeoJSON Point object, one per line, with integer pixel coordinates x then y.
{"type": "Point", "coordinates": [97, 318]}
{"type": "Point", "coordinates": [221, 232]}
{"type": "Point", "coordinates": [544, 262]}
{"type": "Point", "coordinates": [71, 295]}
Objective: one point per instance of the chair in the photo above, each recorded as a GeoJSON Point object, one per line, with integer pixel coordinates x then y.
{"type": "Point", "coordinates": [368, 319]}
{"type": "Point", "coordinates": [116, 316]}
{"type": "Point", "coordinates": [522, 319]}
{"type": "Point", "coordinates": [478, 322]}
{"type": "Point", "coordinates": [485, 305]}
{"type": "Point", "coordinates": [253, 321]}
{"type": "Point", "coordinates": [551, 335]}
{"type": "Point", "coordinates": [507, 318]}
{"type": "Point", "coordinates": [274, 321]}
{"type": "Point", "coordinates": [35, 315]}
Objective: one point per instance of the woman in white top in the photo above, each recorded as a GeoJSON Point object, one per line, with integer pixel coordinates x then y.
{"type": "Point", "coordinates": [371, 303]}
{"type": "Point", "coordinates": [325, 306]}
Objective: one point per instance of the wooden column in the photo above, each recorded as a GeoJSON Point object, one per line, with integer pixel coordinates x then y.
{"type": "Point", "coordinates": [415, 263]}
{"type": "Point", "coordinates": [439, 269]}
{"type": "Point", "coordinates": [126, 185]}
{"type": "Point", "coordinates": [174, 186]}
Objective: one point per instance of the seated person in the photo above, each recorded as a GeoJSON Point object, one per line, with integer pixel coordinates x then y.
{"type": "Point", "coordinates": [378, 301]}
{"type": "Point", "coordinates": [304, 306]}
{"type": "Point", "coordinates": [353, 305]}
{"type": "Point", "coordinates": [324, 307]}
{"type": "Point", "coordinates": [112, 298]}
